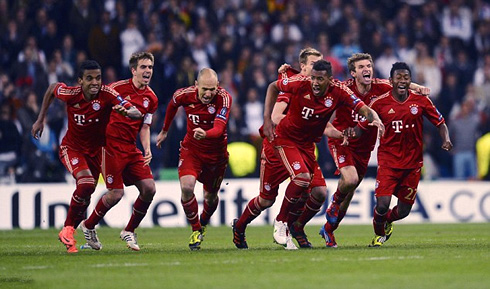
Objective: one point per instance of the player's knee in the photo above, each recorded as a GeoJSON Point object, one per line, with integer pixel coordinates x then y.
{"type": "Point", "coordinates": [302, 180]}
{"type": "Point", "coordinates": [264, 203]}
{"type": "Point", "coordinates": [350, 182]}
{"type": "Point", "coordinates": [85, 187]}
{"type": "Point", "coordinates": [319, 193]}
{"type": "Point", "coordinates": [403, 211]}
{"type": "Point", "coordinates": [113, 196]}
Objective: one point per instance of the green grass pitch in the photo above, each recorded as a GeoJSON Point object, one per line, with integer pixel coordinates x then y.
{"type": "Point", "coordinates": [417, 256]}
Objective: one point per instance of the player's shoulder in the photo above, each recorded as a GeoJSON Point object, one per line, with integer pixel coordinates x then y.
{"type": "Point", "coordinates": [380, 81]}
{"type": "Point", "coordinates": [380, 98]}
{"type": "Point", "coordinates": [224, 96]}
{"type": "Point", "coordinates": [119, 83]}
{"type": "Point", "coordinates": [107, 89]}
{"type": "Point", "coordinates": [185, 91]}
{"type": "Point", "coordinates": [63, 89]}
{"type": "Point", "coordinates": [336, 84]}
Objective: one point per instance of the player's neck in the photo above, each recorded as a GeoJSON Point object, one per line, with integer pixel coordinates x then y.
{"type": "Point", "coordinates": [362, 88]}
{"type": "Point", "coordinates": [400, 97]}
{"type": "Point", "coordinates": [137, 84]}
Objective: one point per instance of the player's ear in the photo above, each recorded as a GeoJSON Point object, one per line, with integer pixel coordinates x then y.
{"type": "Point", "coordinates": [195, 83]}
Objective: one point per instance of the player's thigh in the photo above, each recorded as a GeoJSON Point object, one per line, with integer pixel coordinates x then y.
{"type": "Point", "coordinates": [407, 190]}
{"type": "Point", "coordinates": [76, 162]}
{"type": "Point", "coordinates": [272, 174]}
{"type": "Point", "coordinates": [386, 182]}
{"type": "Point", "coordinates": [292, 159]}
{"type": "Point", "coordinates": [113, 164]}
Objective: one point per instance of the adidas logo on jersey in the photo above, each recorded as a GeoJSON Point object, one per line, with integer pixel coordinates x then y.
{"type": "Point", "coordinates": [76, 105]}
{"type": "Point", "coordinates": [391, 111]}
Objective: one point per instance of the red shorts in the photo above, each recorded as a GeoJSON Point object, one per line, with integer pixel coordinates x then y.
{"type": "Point", "coordinates": [208, 169]}
{"type": "Point", "coordinates": [275, 160]}
{"type": "Point", "coordinates": [346, 156]}
{"type": "Point", "coordinates": [401, 183]}
{"type": "Point", "coordinates": [123, 164]}
{"type": "Point", "coordinates": [75, 161]}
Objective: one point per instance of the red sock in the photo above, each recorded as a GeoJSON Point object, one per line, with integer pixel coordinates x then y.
{"type": "Point", "coordinates": [379, 222]}
{"type": "Point", "coordinates": [99, 212]}
{"type": "Point", "coordinates": [296, 210]}
{"type": "Point", "coordinates": [392, 215]}
{"type": "Point", "coordinates": [293, 193]}
{"type": "Point", "coordinates": [191, 213]}
{"type": "Point", "coordinates": [338, 197]}
{"type": "Point", "coordinates": [312, 207]}
{"type": "Point", "coordinates": [80, 201]}
{"type": "Point", "coordinates": [208, 211]}
{"type": "Point", "coordinates": [251, 212]}
{"type": "Point", "coordinates": [140, 208]}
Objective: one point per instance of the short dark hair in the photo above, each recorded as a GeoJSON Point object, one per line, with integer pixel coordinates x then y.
{"type": "Point", "coordinates": [87, 65]}
{"type": "Point", "coordinates": [323, 65]}
{"type": "Point", "coordinates": [137, 56]}
{"type": "Point", "coordinates": [398, 66]}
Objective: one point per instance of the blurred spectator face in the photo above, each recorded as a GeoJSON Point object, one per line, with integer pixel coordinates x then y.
{"type": "Point", "coordinates": [5, 112]}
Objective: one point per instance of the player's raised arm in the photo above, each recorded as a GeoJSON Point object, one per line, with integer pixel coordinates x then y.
{"type": "Point", "coordinates": [270, 100]}
{"type": "Point", "coordinates": [38, 126]}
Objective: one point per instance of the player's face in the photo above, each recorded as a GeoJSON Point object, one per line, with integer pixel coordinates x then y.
{"type": "Point", "coordinates": [319, 82]}
{"type": "Point", "coordinates": [207, 88]}
{"type": "Point", "coordinates": [310, 60]}
{"type": "Point", "coordinates": [401, 81]}
{"type": "Point", "coordinates": [143, 72]}
{"type": "Point", "coordinates": [363, 72]}
{"type": "Point", "coordinates": [91, 82]}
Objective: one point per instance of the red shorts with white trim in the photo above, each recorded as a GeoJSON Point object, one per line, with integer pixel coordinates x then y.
{"type": "Point", "coordinates": [346, 156]}
{"type": "Point", "coordinates": [123, 164]}
{"type": "Point", "coordinates": [208, 169]}
{"type": "Point", "coordinates": [401, 183]}
{"type": "Point", "coordinates": [75, 161]}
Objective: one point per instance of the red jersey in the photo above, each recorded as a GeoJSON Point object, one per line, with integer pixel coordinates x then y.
{"type": "Point", "coordinates": [346, 117]}
{"type": "Point", "coordinates": [122, 127]}
{"type": "Point", "coordinates": [308, 115]}
{"type": "Point", "coordinates": [401, 146]}
{"type": "Point", "coordinates": [87, 120]}
{"type": "Point", "coordinates": [201, 115]}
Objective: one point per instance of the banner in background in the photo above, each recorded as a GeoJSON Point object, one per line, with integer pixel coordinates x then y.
{"type": "Point", "coordinates": [29, 206]}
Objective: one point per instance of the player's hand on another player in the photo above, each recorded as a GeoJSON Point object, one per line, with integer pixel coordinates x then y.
{"type": "Point", "coordinates": [37, 129]}
{"type": "Point", "coordinates": [199, 133]}
{"type": "Point", "coordinates": [161, 137]}
{"type": "Point", "coordinates": [283, 68]}
{"type": "Point", "coordinates": [423, 90]}
{"type": "Point", "coordinates": [269, 129]}
{"type": "Point", "coordinates": [147, 157]}
{"type": "Point", "coordinates": [380, 126]}
{"type": "Point", "coordinates": [447, 145]}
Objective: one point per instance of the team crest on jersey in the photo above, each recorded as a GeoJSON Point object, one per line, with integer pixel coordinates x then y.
{"type": "Point", "coordinates": [267, 186]}
{"type": "Point", "coordinates": [211, 109]}
{"type": "Point", "coordinates": [328, 101]}
{"type": "Point", "coordinates": [296, 166]}
{"type": "Point", "coordinates": [74, 161]}
{"type": "Point", "coordinates": [96, 105]}
{"type": "Point", "coordinates": [146, 102]}
{"type": "Point", "coordinates": [414, 109]}
{"type": "Point", "coordinates": [285, 81]}
{"type": "Point", "coordinates": [110, 179]}
{"type": "Point", "coordinates": [341, 159]}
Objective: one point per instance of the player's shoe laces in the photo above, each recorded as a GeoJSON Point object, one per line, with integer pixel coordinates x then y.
{"type": "Point", "coordinates": [300, 237]}
{"type": "Point", "coordinates": [238, 237]}
{"type": "Point", "coordinates": [388, 230]}
{"type": "Point", "coordinates": [91, 237]}
{"type": "Point", "coordinates": [378, 241]}
{"type": "Point", "coordinates": [131, 241]}
{"type": "Point", "coordinates": [195, 240]}
{"type": "Point", "coordinates": [328, 237]}
{"type": "Point", "coordinates": [332, 213]}
{"type": "Point", "coordinates": [66, 237]}
{"type": "Point", "coordinates": [281, 233]}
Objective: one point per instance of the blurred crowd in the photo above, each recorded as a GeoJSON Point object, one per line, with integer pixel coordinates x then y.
{"type": "Point", "coordinates": [446, 43]}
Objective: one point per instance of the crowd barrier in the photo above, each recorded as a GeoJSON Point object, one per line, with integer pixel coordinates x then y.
{"type": "Point", "coordinates": [28, 206]}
